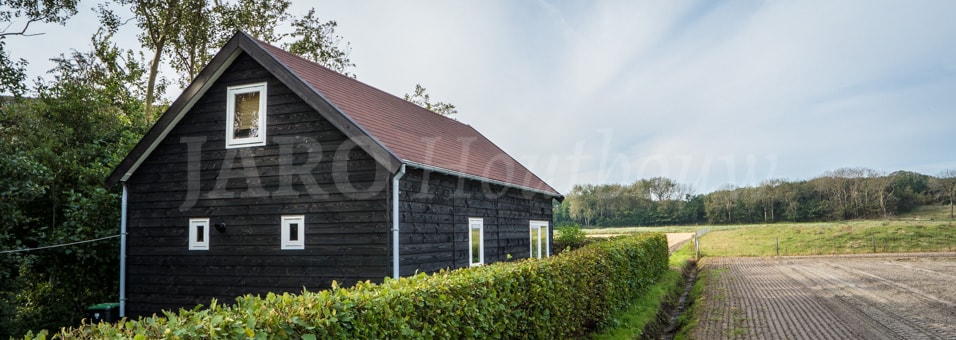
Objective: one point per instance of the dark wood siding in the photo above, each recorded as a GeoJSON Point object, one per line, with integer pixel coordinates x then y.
{"type": "Point", "coordinates": [434, 220]}
{"type": "Point", "coordinates": [308, 167]}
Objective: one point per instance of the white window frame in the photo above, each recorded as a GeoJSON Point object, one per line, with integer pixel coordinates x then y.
{"type": "Point", "coordinates": [287, 242]}
{"type": "Point", "coordinates": [543, 247]}
{"type": "Point", "coordinates": [472, 222]}
{"type": "Point", "coordinates": [194, 243]}
{"type": "Point", "coordinates": [231, 92]}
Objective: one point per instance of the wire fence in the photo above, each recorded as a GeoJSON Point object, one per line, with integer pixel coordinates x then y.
{"type": "Point", "coordinates": [697, 235]}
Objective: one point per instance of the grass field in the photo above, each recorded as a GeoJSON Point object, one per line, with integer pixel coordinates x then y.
{"type": "Point", "coordinates": [926, 229]}
{"type": "Point", "coordinates": [928, 213]}
{"type": "Point", "coordinates": [850, 237]}
{"type": "Point", "coordinates": [631, 230]}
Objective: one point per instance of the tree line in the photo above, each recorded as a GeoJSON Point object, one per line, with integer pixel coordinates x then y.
{"type": "Point", "coordinates": [841, 194]}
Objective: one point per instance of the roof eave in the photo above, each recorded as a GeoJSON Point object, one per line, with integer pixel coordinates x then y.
{"type": "Point", "coordinates": [427, 167]}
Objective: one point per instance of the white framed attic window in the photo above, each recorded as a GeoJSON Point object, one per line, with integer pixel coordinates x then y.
{"type": "Point", "coordinates": [476, 241]}
{"type": "Point", "coordinates": [293, 232]}
{"type": "Point", "coordinates": [539, 239]}
{"type": "Point", "coordinates": [198, 234]}
{"type": "Point", "coordinates": [246, 115]}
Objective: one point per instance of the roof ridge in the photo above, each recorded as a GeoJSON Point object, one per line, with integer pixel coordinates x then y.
{"type": "Point", "coordinates": [343, 76]}
{"type": "Point", "coordinates": [408, 132]}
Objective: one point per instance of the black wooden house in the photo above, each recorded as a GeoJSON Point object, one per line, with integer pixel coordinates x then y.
{"type": "Point", "coordinates": [271, 173]}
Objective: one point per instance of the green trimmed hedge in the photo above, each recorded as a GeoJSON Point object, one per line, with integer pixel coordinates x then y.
{"type": "Point", "coordinates": [564, 296]}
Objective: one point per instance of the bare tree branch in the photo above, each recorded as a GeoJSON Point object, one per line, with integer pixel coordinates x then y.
{"type": "Point", "coordinates": [22, 32]}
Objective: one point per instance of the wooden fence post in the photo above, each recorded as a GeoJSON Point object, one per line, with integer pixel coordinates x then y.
{"type": "Point", "coordinates": [696, 247]}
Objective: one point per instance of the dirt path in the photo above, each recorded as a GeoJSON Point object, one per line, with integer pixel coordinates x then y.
{"type": "Point", "coordinates": [865, 297]}
{"type": "Point", "coordinates": [675, 240]}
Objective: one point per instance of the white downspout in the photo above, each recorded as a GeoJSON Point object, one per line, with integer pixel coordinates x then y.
{"type": "Point", "coordinates": [395, 215]}
{"type": "Point", "coordinates": [122, 278]}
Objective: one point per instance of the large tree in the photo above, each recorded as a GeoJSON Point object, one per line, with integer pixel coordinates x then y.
{"type": "Point", "coordinates": [720, 205]}
{"type": "Point", "coordinates": [58, 147]}
{"type": "Point", "coordinates": [581, 203]}
{"type": "Point", "coordinates": [317, 41]}
{"type": "Point", "coordinates": [944, 185]}
{"type": "Point", "coordinates": [662, 188]}
{"type": "Point", "coordinates": [12, 74]}
{"type": "Point", "coordinates": [768, 193]}
{"type": "Point", "coordinates": [185, 34]}
{"type": "Point", "coordinates": [16, 17]}
{"type": "Point", "coordinates": [159, 21]}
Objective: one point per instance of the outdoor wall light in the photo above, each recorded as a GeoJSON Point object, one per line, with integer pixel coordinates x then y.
{"type": "Point", "coordinates": [221, 227]}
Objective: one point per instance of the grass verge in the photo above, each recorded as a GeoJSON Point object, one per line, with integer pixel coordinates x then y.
{"type": "Point", "coordinates": [643, 315]}
{"type": "Point", "coordinates": [690, 318]}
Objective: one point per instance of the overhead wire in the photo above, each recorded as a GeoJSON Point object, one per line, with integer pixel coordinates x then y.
{"type": "Point", "coordinates": [58, 245]}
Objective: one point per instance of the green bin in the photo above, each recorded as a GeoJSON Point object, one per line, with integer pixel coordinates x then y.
{"type": "Point", "coordinates": [108, 312]}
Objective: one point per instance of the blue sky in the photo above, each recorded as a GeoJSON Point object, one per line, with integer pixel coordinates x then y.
{"type": "Point", "coordinates": [709, 93]}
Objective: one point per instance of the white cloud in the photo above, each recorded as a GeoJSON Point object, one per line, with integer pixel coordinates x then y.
{"type": "Point", "coordinates": [710, 93]}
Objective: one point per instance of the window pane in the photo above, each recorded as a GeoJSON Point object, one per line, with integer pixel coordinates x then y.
{"type": "Point", "coordinates": [246, 124]}
{"type": "Point", "coordinates": [476, 245]}
{"type": "Point", "coordinates": [543, 240]}
{"type": "Point", "coordinates": [293, 231]}
{"type": "Point", "coordinates": [200, 233]}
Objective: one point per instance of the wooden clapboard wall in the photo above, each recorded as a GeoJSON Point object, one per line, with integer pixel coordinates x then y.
{"type": "Point", "coordinates": [434, 220]}
{"type": "Point", "coordinates": [347, 236]}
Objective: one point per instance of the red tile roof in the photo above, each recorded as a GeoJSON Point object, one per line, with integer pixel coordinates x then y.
{"type": "Point", "coordinates": [417, 136]}
{"type": "Point", "coordinates": [400, 132]}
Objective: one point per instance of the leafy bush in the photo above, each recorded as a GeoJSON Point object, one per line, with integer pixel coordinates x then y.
{"type": "Point", "coordinates": [571, 235]}
{"type": "Point", "coordinates": [564, 296]}
{"type": "Point", "coordinates": [57, 149]}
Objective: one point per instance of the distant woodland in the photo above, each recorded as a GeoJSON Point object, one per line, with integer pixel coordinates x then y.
{"type": "Point", "coordinates": [842, 194]}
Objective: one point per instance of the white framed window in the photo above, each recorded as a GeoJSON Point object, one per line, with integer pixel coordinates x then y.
{"type": "Point", "coordinates": [293, 232]}
{"type": "Point", "coordinates": [539, 239]}
{"type": "Point", "coordinates": [246, 115]}
{"type": "Point", "coordinates": [198, 234]}
{"type": "Point", "coordinates": [476, 241]}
